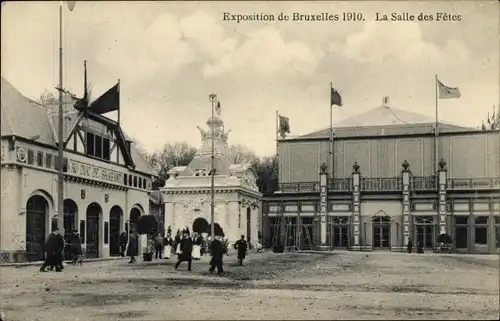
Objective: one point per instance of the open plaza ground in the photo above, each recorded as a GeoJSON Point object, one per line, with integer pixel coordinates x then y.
{"type": "Point", "coordinates": [343, 285]}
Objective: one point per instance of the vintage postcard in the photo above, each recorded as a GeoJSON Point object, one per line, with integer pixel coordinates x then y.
{"type": "Point", "coordinates": [271, 160]}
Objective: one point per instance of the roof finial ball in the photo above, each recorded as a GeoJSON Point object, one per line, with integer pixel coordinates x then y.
{"type": "Point", "coordinates": [355, 167]}
{"type": "Point", "coordinates": [323, 168]}
{"type": "Point", "coordinates": [442, 164]}
{"type": "Point", "coordinates": [405, 165]}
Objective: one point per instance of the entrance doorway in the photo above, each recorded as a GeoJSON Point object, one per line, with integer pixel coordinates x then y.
{"type": "Point", "coordinates": [339, 232]}
{"type": "Point", "coordinates": [425, 231]}
{"type": "Point", "coordinates": [249, 225]}
{"type": "Point", "coordinates": [94, 211]}
{"type": "Point", "coordinates": [70, 210]}
{"type": "Point", "coordinates": [381, 232]}
{"type": "Point", "coordinates": [462, 232]}
{"type": "Point", "coordinates": [36, 217]}
{"type": "Point", "coordinates": [135, 213]}
{"type": "Point", "coordinates": [115, 220]}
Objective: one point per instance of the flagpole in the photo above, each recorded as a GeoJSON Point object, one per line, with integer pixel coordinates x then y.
{"type": "Point", "coordinates": [436, 126]}
{"type": "Point", "coordinates": [60, 177]}
{"type": "Point", "coordinates": [277, 130]}
{"type": "Point", "coordinates": [213, 98]}
{"type": "Point", "coordinates": [331, 134]}
{"type": "Point", "coordinates": [119, 105]}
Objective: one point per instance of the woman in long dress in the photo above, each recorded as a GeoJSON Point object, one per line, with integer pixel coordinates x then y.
{"type": "Point", "coordinates": [168, 247]}
{"type": "Point", "coordinates": [178, 243]}
{"type": "Point", "coordinates": [196, 246]}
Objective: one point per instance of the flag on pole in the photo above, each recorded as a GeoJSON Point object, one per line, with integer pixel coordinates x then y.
{"type": "Point", "coordinates": [335, 98]}
{"type": "Point", "coordinates": [445, 92]}
{"type": "Point", "coordinates": [284, 125]}
{"type": "Point", "coordinates": [71, 5]}
{"type": "Point", "coordinates": [109, 101]}
{"type": "Point", "coordinates": [217, 108]}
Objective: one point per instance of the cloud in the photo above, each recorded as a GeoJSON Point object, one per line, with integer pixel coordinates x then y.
{"type": "Point", "coordinates": [265, 52]}
{"type": "Point", "coordinates": [399, 43]}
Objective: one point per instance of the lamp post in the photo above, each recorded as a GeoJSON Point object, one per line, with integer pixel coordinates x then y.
{"type": "Point", "coordinates": [213, 100]}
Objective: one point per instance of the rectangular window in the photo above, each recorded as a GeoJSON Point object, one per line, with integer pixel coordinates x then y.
{"type": "Point", "coordinates": [31, 157]}
{"type": "Point", "coordinates": [105, 149]}
{"type": "Point", "coordinates": [144, 183]}
{"type": "Point", "coordinates": [82, 231]}
{"type": "Point", "coordinates": [90, 150]}
{"type": "Point", "coordinates": [125, 181]}
{"type": "Point", "coordinates": [130, 180]}
{"type": "Point", "coordinates": [106, 232]}
{"type": "Point", "coordinates": [135, 181]}
{"type": "Point", "coordinates": [481, 219]}
{"type": "Point", "coordinates": [481, 235]}
{"type": "Point", "coordinates": [461, 220]}
{"type": "Point", "coordinates": [497, 230]}
{"type": "Point", "coordinates": [48, 160]}
{"type": "Point", "coordinates": [98, 146]}
{"type": "Point", "coordinates": [39, 159]}
{"type": "Point", "coordinates": [140, 182]}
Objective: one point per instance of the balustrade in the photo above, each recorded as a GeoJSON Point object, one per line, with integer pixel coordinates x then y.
{"type": "Point", "coordinates": [381, 184]}
{"type": "Point", "coordinates": [473, 183]}
{"type": "Point", "coordinates": [340, 185]}
{"type": "Point", "coordinates": [299, 187]}
{"type": "Point", "coordinates": [420, 183]}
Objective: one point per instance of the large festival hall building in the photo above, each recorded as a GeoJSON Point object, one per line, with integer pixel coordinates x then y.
{"type": "Point", "coordinates": [387, 186]}
{"type": "Point", "coordinates": [106, 181]}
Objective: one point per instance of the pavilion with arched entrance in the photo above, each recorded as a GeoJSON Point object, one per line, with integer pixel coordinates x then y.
{"type": "Point", "coordinates": [237, 199]}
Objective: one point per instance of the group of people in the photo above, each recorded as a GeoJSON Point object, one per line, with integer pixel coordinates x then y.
{"type": "Point", "coordinates": [56, 246]}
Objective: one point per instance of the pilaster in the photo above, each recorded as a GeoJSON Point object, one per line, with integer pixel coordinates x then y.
{"type": "Point", "coordinates": [356, 176]}
{"type": "Point", "coordinates": [323, 201]}
{"type": "Point", "coordinates": [442, 210]}
{"type": "Point", "coordinates": [406, 203]}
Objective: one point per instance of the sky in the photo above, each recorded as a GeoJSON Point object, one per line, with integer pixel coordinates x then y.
{"type": "Point", "coordinates": [169, 56]}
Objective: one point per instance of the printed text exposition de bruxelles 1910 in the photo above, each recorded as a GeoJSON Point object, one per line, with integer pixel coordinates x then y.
{"type": "Point", "coordinates": [344, 16]}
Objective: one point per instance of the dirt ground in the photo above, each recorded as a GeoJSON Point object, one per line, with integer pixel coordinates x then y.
{"type": "Point", "coordinates": [344, 285]}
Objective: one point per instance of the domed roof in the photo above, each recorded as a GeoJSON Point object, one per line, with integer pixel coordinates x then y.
{"type": "Point", "coordinates": [215, 121]}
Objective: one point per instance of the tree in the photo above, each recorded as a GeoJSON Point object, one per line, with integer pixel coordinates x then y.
{"type": "Point", "coordinates": [239, 154]}
{"type": "Point", "coordinates": [48, 98]}
{"type": "Point", "coordinates": [267, 170]}
{"type": "Point", "coordinates": [493, 121]}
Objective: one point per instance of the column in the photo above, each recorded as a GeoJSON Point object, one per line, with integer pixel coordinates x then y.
{"type": "Point", "coordinates": [405, 173]}
{"type": "Point", "coordinates": [442, 208]}
{"type": "Point", "coordinates": [323, 201]}
{"type": "Point", "coordinates": [355, 206]}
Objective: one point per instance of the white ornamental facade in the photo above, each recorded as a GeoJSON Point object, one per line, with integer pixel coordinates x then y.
{"type": "Point", "coordinates": [237, 198]}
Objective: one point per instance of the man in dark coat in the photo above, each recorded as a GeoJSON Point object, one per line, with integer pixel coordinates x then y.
{"type": "Point", "coordinates": [217, 251]}
{"type": "Point", "coordinates": [75, 245]}
{"type": "Point", "coordinates": [54, 251]}
{"type": "Point", "coordinates": [186, 251]}
{"type": "Point", "coordinates": [133, 247]}
{"type": "Point", "coordinates": [242, 247]}
{"type": "Point", "coordinates": [409, 246]}
{"type": "Point", "coordinates": [123, 240]}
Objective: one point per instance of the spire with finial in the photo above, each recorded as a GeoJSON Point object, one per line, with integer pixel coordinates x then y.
{"type": "Point", "coordinates": [215, 127]}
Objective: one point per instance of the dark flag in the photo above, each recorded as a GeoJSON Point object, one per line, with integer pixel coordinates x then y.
{"type": "Point", "coordinates": [217, 108]}
{"type": "Point", "coordinates": [284, 126]}
{"type": "Point", "coordinates": [107, 102]}
{"type": "Point", "coordinates": [335, 98]}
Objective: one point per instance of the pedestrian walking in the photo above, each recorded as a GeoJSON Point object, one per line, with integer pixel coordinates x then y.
{"type": "Point", "coordinates": [123, 241]}
{"type": "Point", "coordinates": [54, 248]}
{"type": "Point", "coordinates": [158, 246]}
{"type": "Point", "coordinates": [196, 246]}
{"type": "Point", "coordinates": [242, 247]}
{"type": "Point", "coordinates": [75, 247]}
{"type": "Point", "coordinates": [409, 246]}
{"type": "Point", "coordinates": [217, 250]}
{"type": "Point", "coordinates": [132, 249]}
{"type": "Point", "coordinates": [168, 242]}
{"type": "Point", "coordinates": [186, 246]}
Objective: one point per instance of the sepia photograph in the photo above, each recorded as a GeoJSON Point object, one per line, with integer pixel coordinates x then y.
{"type": "Point", "coordinates": [252, 160]}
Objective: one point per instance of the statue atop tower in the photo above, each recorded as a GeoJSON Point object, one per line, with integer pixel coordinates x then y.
{"type": "Point", "coordinates": [216, 130]}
